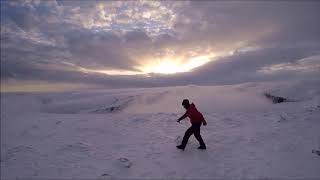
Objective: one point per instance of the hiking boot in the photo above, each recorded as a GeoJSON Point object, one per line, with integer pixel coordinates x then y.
{"type": "Point", "coordinates": [202, 147]}
{"type": "Point", "coordinates": [180, 147]}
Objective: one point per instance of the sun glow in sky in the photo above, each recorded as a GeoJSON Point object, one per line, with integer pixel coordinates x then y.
{"type": "Point", "coordinates": [175, 65]}
{"type": "Point", "coordinates": [170, 65]}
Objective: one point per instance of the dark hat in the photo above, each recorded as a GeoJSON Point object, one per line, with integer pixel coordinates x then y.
{"type": "Point", "coordinates": [185, 102]}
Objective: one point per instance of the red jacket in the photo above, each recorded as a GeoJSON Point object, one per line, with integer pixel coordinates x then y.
{"type": "Point", "coordinates": [194, 115]}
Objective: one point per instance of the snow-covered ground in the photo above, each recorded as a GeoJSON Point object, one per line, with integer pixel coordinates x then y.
{"type": "Point", "coordinates": [132, 133]}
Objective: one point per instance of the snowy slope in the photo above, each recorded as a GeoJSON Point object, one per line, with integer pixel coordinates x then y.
{"type": "Point", "coordinates": [132, 133]}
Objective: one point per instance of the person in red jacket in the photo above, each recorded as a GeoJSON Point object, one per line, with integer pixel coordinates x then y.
{"type": "Point", "coordinates": [196, 119]}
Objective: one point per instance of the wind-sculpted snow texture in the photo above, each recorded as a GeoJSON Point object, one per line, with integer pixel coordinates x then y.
{"type": "Point", "coordinates": [132, 133]}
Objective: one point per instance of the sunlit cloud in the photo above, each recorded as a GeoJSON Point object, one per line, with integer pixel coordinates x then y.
{"type": "Point", "coordinates": [32, 36]}
{"type": "Point", "coordinates": [74, 67]}
{"type": "Point", "coordinates": [153, 17]}
{"type": "Point", "coordinates": [111, 72]}
{"type": "Point", "coordinates": [309, 64]}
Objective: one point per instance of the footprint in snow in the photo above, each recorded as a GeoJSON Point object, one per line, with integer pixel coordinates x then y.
{"type": "Point", "coordinates": [58, 122]}
{"type": "Point", "coordinates": [178, 140]}
{"type": "Point", "coordinates": [124, 162]}
{"type": "Point", "coordinates": [105, 175]}
{"type": "Point", "coordinates": [139, 120]}
{"type": "Point", "coordinates": [18, 152]}
{"type": "Point", "coordinates": [76, 148]}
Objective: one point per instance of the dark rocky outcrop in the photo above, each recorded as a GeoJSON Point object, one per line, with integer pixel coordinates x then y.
{"type": "Point", "coordinates": [276, 99]}
{"type": "Point", "coordinates": [316, 152]}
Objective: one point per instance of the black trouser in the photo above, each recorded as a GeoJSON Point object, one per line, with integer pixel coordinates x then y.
{"type": "Point", "coordinates": [194, 129]}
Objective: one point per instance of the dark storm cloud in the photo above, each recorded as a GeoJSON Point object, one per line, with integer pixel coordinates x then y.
{"type": "Point", "coordinates": [49, 40]}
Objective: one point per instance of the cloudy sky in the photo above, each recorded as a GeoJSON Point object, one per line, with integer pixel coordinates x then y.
{"type": "Point", "coordinates": [54, 44]}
